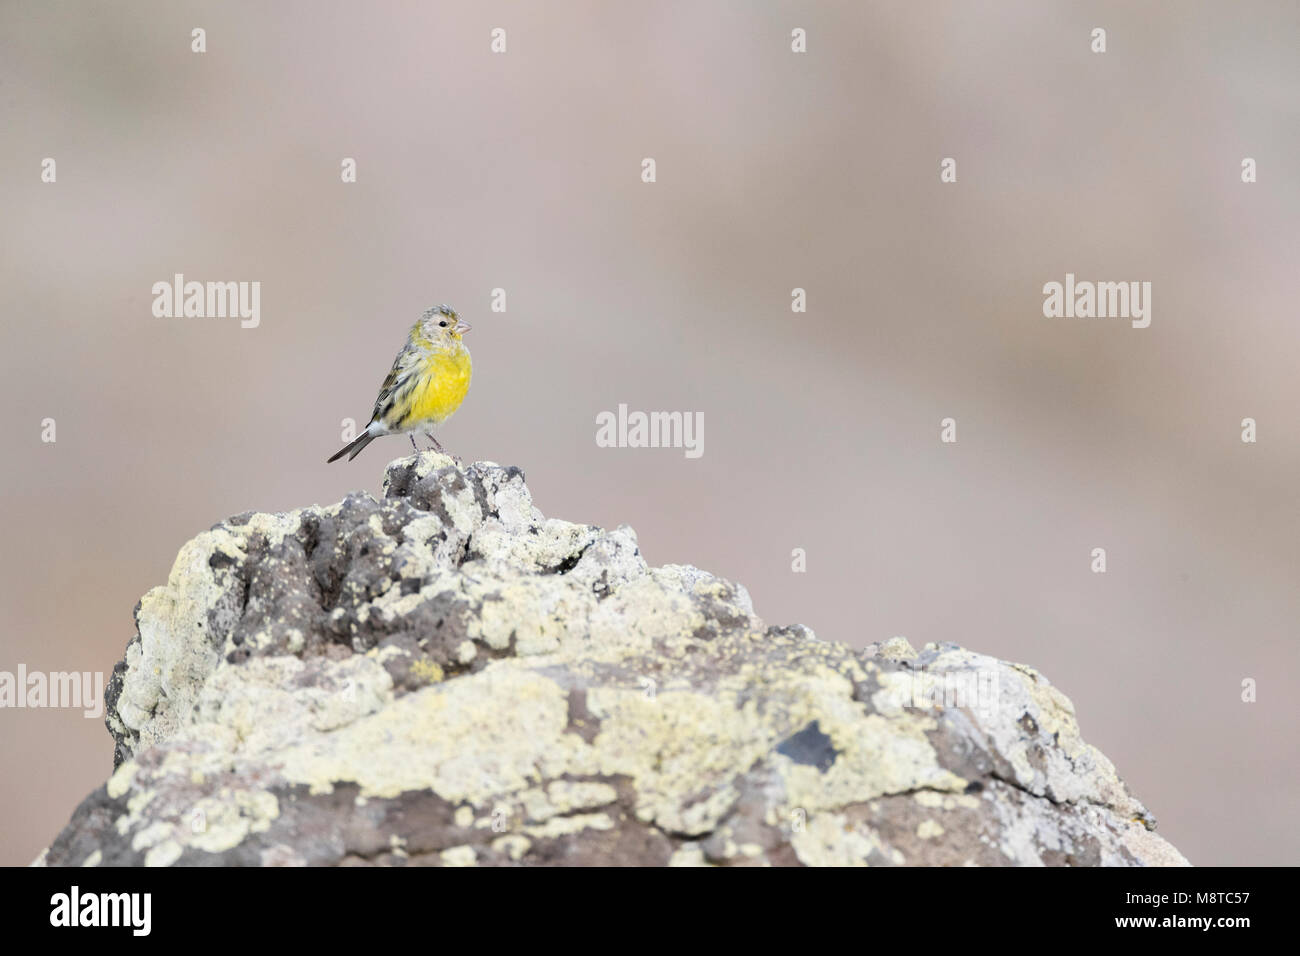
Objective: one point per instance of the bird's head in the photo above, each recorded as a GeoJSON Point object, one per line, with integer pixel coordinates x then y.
{"type": "Point", "coordinates": [442, 326]}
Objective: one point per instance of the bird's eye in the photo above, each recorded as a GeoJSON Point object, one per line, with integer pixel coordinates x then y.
{"type": "Point", "coordinates": [442, 324]}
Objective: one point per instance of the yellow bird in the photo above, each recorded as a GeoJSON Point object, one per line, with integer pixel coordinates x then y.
{"type": "Point", "coordinates": [429, 379]}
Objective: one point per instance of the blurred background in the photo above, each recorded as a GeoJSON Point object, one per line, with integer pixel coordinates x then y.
{"type": "Point", "coordinates": [775, 170]}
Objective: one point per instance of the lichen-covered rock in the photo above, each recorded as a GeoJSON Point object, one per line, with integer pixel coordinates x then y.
{"type": "Point", "coordinates": [446, 676]}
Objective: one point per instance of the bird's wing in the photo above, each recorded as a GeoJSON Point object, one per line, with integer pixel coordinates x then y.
{"type": "Point", "coordinates": [403, 367]}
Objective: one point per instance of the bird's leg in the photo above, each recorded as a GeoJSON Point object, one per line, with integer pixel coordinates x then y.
{"type": "Point", "coordinates": [438, 446]}
{"type": "Point", "coordinates": [413, 444]}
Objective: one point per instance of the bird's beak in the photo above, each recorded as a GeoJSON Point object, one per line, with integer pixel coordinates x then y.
{"type": "Point", "coordinates": [462, 326]}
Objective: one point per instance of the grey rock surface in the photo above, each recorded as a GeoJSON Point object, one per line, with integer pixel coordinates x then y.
{"type": "Point", "coordinates": [445, 676]}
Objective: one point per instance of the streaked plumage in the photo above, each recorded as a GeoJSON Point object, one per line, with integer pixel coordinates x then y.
{"type": "Point", "coordinates": [427, 383]}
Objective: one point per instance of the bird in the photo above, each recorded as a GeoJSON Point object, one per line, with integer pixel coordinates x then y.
{"type": "Point", "coordinates": [427, 383]}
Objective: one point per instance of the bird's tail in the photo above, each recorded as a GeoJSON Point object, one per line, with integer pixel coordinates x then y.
{"type": "Point", "coordinates": [354, 446]}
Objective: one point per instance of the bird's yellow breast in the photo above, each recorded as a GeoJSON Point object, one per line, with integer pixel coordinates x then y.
{"type": "Point", "coordinates": [438, 388]}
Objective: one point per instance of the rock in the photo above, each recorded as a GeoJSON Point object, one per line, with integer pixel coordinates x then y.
{"type": "Point", "coordinates": [445, 676]}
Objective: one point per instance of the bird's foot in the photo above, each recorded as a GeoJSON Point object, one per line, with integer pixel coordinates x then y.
{"type": "Point", "coordinates": [437, 446]}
